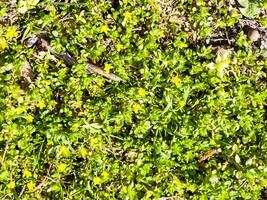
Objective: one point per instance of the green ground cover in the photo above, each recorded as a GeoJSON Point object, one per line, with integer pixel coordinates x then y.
{"type": "Point", "coordinates": [186, 118]}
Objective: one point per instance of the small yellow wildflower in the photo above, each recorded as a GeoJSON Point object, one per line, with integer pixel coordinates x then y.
{"type": "Point", "coordinates": [161, 34]}
{"type": "Point", "coordinates": [27, 173]}
{"type": "Point", "coordinates": [124, 189]}
{"type": "Point", "coordinates": [62, 167]}
{"type": "Point", "coordinates": [11, 32]}
{"type": "Point", "coordinates": [11, 185]}
{"type": "Point", "coordinates": [83, 152]}
{"type": "Point", "coordinates": [41, 104]}
{"type": "Point", "coordinates": [183, 45]}
{"type": "Point", "coordinates": [179, 184]}
{"type": "Point", "coordinates": [93, 141]}
{"type": "Point", "coordinates": [127, 15]}
{"type": "Point", "coordinates": [104, 29]}
{"type": "Point", "coordinates": [176, 80]}
{"type": "Point", "coordinates": [50, 142]}
{"type": "Point", "coordinates": [97, 180]}
{"type": "Point", "coordinates": [105, 176]}
{"type": "Point", "coordinates": [29, 118]}
{"type": "Point", "coordinates": [136, 107]}
{"type": "Point", "coordinates": [3, 43]}
{"type": "Point", "coordinates": [30, 186]}
{"type": "Point", "coordinates": [119, 47]}
{"type": "Point", "coordinates": [20, 109]}
{"type": "Point", "coordinates": [64, 151]}
{"type": "Point", "coordinates": [107, 68]}
{"type": "Point", "coordinates": [141, 92]}
{"type": "Point", "coordinates": [182, 104]}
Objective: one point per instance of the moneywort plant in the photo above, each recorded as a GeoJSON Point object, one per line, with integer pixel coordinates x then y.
{"type": "Point", "coordinates": [187, 121]}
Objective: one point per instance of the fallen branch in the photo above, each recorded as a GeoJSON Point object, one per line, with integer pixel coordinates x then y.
{"type": "Point", "coordinates": [41, 44]}
{"type": "Point", "coordinates": [4, 154]}
{"type": "Point", "coordinates": [208, 154]}
{"type": "Point", "coordinates": [97, 70]}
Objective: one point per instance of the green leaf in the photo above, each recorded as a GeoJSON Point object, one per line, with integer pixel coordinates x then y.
{"type": "Point", "coordinates": [250, 11]}
{"type": "Point", "coordinates": [237, 158]}
{"type": "Point", "coordinates": [243, 3]}
{"type": "Point", "coordinates": [22, 7]}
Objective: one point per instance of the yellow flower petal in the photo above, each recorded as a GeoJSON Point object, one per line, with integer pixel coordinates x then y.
{"type": "Point", "coordinates": [31, 186]}
{"type": "Point", "coordinates": [27, 173]}
{"type": "Point", "coordinates": [104, 29]}
{"type": "Point", "coordinates": [29, 118]}
{"type": "Point", "coordinates": [50, 142]}
{"type": "Point", "coordinates": [136, 107]}
{"type": "Point", "coordinates": [141, 92]}
{"type": "Point", "coordinates": [182, 104]}
{"type": "Point", "coordinates": [11, 185]}
{"type": "Point", "coordinates": [161, 34]}
{"type": "Point", "coordinates": [83, 152]}
{"type": "Point", "coordinates": [62, 167]}
{"type": "Point", "coordinates": [107, 68]}
{"type": "Point", "coordinates": [119, 47]}
{"type": "Point", "coordinates": [183, 45]}
{"type": "Point", "coordinates": [11, 32]}
{"type": "Point", "coordinates": [105, 176]}
{"type": "Point", "coordinates": [64, 151]}
{"type": "Point", "coordinates": [93, 141]}
{"type": "Point", "coordinates": [176, 80]}
{"type": "Point", "coordinates": [41, 104]}
{"type": "Point", "coordinates": [3, 43]}
{"type": "Point", "coordinates": [127, 15]}
{"type": "Point", "coordinates": [97, 180]}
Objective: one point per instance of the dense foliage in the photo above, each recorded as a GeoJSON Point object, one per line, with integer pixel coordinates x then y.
{"type": "Point", "coordinates": [189, 121]}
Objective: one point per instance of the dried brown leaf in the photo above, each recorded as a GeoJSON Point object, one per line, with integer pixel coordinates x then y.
{"type": "Point", "coordinates": [26, 72]}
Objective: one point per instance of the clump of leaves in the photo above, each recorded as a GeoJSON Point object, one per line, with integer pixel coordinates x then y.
{"type": "Point", "coordinates": [250, 8]}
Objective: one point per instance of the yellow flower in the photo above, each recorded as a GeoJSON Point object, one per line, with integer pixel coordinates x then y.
{"type": "Point", "coordinates": [83, 152]}
{"type": "Point", "coordinates": [20, 110]}
{"type": "Point", "coordinates": [179, 184]}
{"type": "Point", "coordinates": [119, 47]}
{"type": "Point", "coordinates": [182, 104]}
{"type": "Point", "coordinates": [62, 167]}
{"type": "Point", "coordinates": [141, 92]}
{"type": "Point", "coordinates": [104, 29]}
{"type": "Point", "coordinates": [11, 185]}
{"type": "Point", "coordinates": [27, 173]}
{"type": "Point", "coordinates": [161, 34]}
{"type": "Point", "coordinates": [64, 151]}
{"type": "Point", "coordinates": [183, 45]}
{"type": "Point", "coordinates": [176, 80]}
{"type": "Point", "coordinates": [93, 141]}
{"type": "Point", "coordinates": [127, 15]}
{"type": "Point", "coordinates": [3, 43]}
{"type": "Point", "coordinates": [97, 180]}
{"type": "Point", "coordinates": [30, 186]}
{"type": "Point", "coordinates": [41, 104]}
{"type": "Point", "coordinates": [29, 118]}
{"type": "Point", "coordinates": [105, 176]}
{"type": "Point", "coordinates": [11, 32]}
{"type": "Point", "coordinates": [136, 107]}
{"type": "Point", "coordinates": [107, 68]}
{"type": "Point", "coordinates": [50, 142]}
